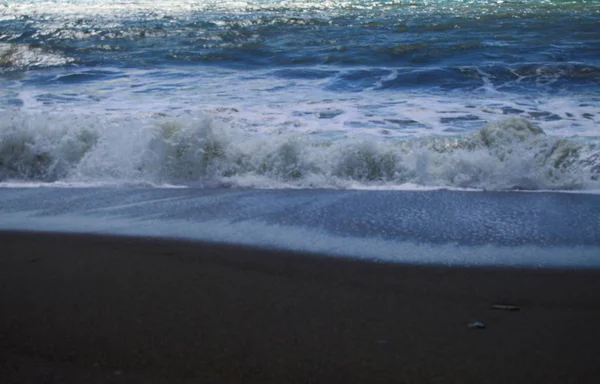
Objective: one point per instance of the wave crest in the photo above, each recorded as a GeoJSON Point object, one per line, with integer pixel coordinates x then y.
{"type": "Point", "coordinates": [25, 56]}
{"type": "Point", "coordinates": [196, 150]}
{"type": "Point", "coordinates": [41, 149]}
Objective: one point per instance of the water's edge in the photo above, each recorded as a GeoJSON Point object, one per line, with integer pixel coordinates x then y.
{"type": "Point", "coordinates": [430, 227]}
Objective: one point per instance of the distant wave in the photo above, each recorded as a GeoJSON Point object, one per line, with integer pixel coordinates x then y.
{"type": "Point", "coordinates": [417, 33]}
{"type": "Point", "coordinates": [26, 56]}
{"type": "Point", "coordinates": [195, 150]}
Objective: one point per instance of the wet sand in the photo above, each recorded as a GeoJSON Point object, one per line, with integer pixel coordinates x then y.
{"type": "Point", "coordinates": [102, 309]}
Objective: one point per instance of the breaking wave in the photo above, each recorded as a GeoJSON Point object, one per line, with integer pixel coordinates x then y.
{"type": "Point", "coordinates": [195, 150]}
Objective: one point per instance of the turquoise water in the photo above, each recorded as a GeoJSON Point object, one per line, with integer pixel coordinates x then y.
{"type": "Point", "coordinates": [312, 94]}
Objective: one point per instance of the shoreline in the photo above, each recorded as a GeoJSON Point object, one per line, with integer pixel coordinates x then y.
{"type": "Point", "coordinates": [103, 308]}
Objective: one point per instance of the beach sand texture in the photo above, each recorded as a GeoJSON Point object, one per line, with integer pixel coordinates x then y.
{"type": "Point", "coordinates": [102, 309]}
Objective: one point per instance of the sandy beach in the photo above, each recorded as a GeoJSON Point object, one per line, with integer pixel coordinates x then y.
{"type": "Point", "coordinates": [299, 192]}
{"type": "Point", "coordinates": [102, 309]}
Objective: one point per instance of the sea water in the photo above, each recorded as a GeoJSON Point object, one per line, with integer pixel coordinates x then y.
{"type": "Point", "coordinates": [467, 95]}
{"type": "Point", "coordinates": [302, 93]}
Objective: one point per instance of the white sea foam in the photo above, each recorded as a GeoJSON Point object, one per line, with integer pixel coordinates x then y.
{"type": "Point", "coordinates": [257, 233]}
{"type": "Point", "coordinates": [193, 149]}
{"type": "Point", "coordinates": [23, 56]}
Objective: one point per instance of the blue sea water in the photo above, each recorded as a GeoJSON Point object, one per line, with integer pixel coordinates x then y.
{"type": "Point", "coordinates": [106, 105]}
{"type": "Point", "coordinates": [347, 94]}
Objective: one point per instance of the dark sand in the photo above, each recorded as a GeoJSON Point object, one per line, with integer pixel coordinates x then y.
{"type": "Point", "coordinates": [99, 309]}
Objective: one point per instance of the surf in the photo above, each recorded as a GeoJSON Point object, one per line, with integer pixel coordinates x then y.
{"type": "Point", "coordinates": [196, 150]}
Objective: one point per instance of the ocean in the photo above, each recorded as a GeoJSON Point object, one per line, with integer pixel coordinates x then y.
{"type": "Point", "coordinates": [378, 99]}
